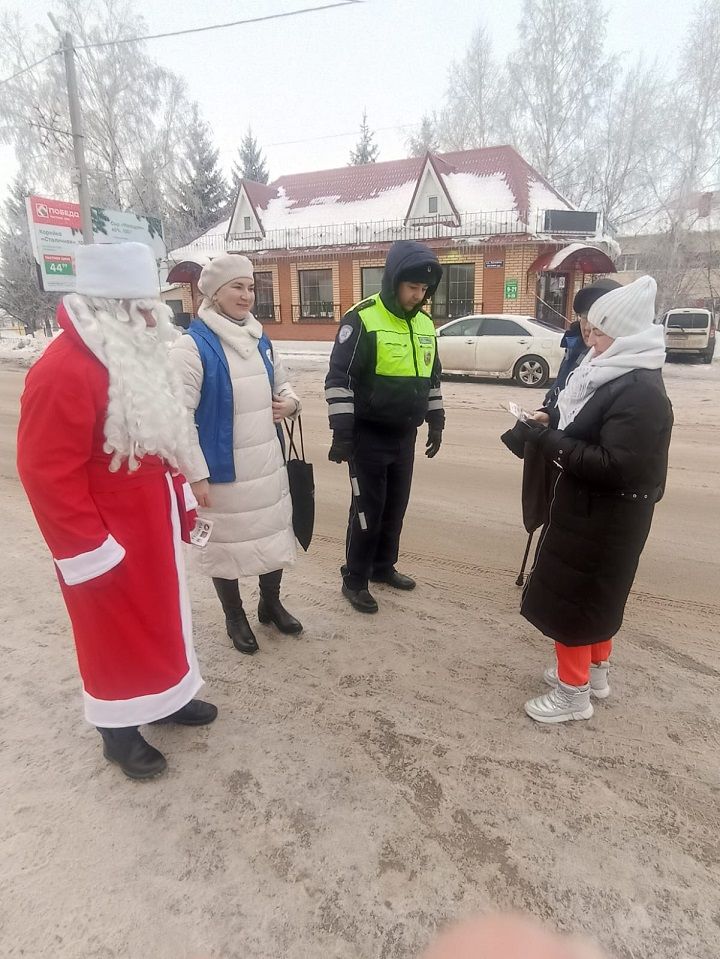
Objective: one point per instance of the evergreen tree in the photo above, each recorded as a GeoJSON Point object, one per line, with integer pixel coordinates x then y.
{"type": "Point", "coordinates": [20, 294]}
{"type": "Point", "coordinates": [424, 139]}
{"type": "Point", "coordinates": [250, 164]}
{"type": "Point", "coordinates": [201, 193]}
{"type": "Point", "coordinates": [366, 150]}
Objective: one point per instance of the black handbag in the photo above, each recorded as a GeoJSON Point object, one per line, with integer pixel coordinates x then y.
{"type": "Point", "coordinates": [302, 487]}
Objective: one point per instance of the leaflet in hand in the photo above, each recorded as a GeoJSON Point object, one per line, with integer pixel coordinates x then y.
{"type": "Point", "coordinates": [517, 411]}
{"type": "Point", "coordinates": [201, 533]}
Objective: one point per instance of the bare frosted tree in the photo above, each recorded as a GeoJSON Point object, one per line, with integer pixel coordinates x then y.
{"type": "Point", "coordinates": [555, 79]}
{"type": "Point", "coordinates": [622, 147]}
{"type": "Point", "coordinates": [689, 160]}
{"type": "Point", "coordinates": [132, 108]}
{"type": "Point", "coordinates": [20, 294]}
{"type": "Point", "coordinates": [424, 139]}
{"type": "Point", "coordinates": [473, 112]}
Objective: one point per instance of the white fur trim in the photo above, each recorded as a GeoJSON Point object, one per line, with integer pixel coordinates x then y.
{"type": "Point", "coordinates": [190, 501]}
{"type": "Point", "coordinates": [117, 271]}
{"type": "Point", "coordinates": [85, 566]}
{"type": "Point", "coordinates": [118, 713]}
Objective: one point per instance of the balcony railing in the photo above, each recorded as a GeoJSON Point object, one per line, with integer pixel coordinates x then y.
{"type": "Point", "coordinates": [321, 311]}
{"type": "Point", "coordinates": [472, 228]}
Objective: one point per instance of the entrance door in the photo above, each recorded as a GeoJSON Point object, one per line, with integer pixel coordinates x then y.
{"type": "Point", "coordinates": [553, 298]}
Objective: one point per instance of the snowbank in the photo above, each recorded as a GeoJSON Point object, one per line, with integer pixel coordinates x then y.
{"type": "Point", "coordinates": [21, 350]}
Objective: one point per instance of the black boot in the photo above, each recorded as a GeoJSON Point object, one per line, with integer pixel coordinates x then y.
{"type": "Point", "coordinates": [271, 610]}
{"type": "Point", "coordinates": [194, 713]}
{"type": "Point", "coordinates": [391, 577]}
{"type": "Point", "coordinates": [238, 627]}
{"type": "Point", "coordinates": [137, 758]}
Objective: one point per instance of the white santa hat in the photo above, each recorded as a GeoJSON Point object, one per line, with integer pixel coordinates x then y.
{"type": "Point", "coordinates": [224, 269]}
{"type": "Point", "coordinates": [117, 271]}
{"type": "Point", "coordinates": [625, 311]}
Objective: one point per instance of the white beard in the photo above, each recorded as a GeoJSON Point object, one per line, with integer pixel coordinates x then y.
{"type": "Point", "coordinates": [145, 414]}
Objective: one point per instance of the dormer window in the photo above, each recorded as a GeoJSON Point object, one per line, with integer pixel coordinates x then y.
{"type": "Point", "coordinates": [432, 204]}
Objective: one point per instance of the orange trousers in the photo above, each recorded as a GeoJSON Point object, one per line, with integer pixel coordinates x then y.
{"type": "Point", "coordinates": [574, 661]}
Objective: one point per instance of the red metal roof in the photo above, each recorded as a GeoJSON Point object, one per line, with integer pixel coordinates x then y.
{"type": "Point", "coordinates": [351, 183]}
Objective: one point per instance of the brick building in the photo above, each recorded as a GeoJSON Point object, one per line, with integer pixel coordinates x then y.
{"type": "Point", "coordinates": [509, 242]}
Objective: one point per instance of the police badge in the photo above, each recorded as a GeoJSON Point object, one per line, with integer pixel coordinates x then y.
{"type": "Point", "coordinates": [428, 357]}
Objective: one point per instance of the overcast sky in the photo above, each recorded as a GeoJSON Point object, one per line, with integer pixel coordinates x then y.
{"type": "Point", "coordinates": [308, 79]}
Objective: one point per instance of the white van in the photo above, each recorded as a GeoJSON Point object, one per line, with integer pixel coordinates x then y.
{"type": "Point", "coordinates": [690, 330]}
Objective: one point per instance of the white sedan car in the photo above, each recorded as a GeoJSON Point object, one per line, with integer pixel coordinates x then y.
{"type": "Point", "coordinates": [504, 346]}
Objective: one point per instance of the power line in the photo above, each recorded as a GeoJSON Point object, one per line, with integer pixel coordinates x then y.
{"type": "Point", "coordinates": [334, 136]}
{"type": "Point", "coordinates": [180, 33]}
{"type": "Point", "coordinates": [216, 26]}
{"type": "Point", "coordinates": [28, 68]}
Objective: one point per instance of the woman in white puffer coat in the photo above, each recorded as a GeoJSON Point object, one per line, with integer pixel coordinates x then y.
{"type": "Point", "coordinates": [238, 394]}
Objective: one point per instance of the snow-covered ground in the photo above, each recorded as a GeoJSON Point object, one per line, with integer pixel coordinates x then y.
{"type": "Point", "coordinates": [21, 351]}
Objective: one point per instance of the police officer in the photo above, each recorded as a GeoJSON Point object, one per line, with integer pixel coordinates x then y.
{"type": "Point", "coordinates": [383, 382]}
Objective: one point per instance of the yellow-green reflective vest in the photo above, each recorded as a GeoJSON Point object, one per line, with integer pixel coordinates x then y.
{"type": "Point", "coordinates": [403, 347]}
{"type": "Point", "coordinates": [403, 353]}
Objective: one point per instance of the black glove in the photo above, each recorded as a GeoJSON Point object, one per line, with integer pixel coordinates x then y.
{"type": "Point", "coordinates": [529, 431]}
{"type": "Point", "coordinates": [514, 439]}
{"type": "Point", "coordinates": [434, 442]}
{"type": "Point", "coordinates": [341, 449]}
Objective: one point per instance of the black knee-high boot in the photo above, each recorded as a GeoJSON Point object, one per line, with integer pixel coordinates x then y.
{"type": "Point", "coordinates": [238, 627]}
{"type": "Point", "coordinates": [270, 609]}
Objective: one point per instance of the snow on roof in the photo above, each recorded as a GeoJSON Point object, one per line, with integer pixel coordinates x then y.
{"type": "Point", "coordinates": [480, 184]}
{"type": "Point", "coordinates": [480, 194]}
{"type": "Point", "coordinates": [283, 212]}
{"type": "Point", "coordinates": [543, 197]}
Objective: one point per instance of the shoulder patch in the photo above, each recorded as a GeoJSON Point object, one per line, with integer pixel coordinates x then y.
{"type": "Point", "coordinates": [344, 333]}
{"type": "Point", "coordinates": [364, 304]}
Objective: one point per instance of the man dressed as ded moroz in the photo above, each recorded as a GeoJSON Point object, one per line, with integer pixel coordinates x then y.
{"type": "Point", "coordinates": [383, 383]}
{"type": "Point", "coordinates": [102, 431]}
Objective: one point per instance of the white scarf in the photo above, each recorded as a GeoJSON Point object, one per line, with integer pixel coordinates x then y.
{"type": "Point", "coordinates": [240, 335]}
{"type": "Point", "coordinates": [641, 351]}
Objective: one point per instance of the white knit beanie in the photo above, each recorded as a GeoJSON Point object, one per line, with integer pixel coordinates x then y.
{"type": "Point", "coordinates": [224, 269]}
{"type": "Point", "coordinates": [626, 311]}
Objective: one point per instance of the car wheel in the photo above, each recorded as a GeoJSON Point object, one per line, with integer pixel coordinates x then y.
{"type": "Point", "coordinates": [708, 355]}
{"type": "Point", "coordinates": [531, 371]}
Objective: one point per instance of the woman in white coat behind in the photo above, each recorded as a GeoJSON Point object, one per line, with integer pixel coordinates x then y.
{"type": "Point", "coordinates": [238, 395]}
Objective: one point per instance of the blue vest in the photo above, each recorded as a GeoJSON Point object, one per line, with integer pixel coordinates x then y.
{"type": "Point", "coordinates": [215, 413]}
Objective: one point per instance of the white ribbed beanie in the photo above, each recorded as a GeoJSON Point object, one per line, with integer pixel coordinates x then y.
{"type": "Point", "coordinates": [626, 311]}
{"type": "Point", "coordinates": [224, 269]}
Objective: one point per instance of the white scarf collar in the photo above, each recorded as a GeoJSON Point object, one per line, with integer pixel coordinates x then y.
{"type": "Point", "coordinates": [242, 337]}
{"type": "Point", "coordinates": [641, 351]}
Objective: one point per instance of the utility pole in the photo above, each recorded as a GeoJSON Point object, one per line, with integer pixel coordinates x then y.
{"type": "Point", "coordinates": [80, 177]}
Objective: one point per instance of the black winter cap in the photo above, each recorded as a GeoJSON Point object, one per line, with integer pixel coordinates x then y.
{"type": "Point", "coordinates": [585, 298]}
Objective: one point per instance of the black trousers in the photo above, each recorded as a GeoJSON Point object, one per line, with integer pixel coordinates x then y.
{"type": "Point", "coordinates": [382, 467]}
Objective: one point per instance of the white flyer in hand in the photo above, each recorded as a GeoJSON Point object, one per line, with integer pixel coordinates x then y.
{"type": "Point", "coordinates": [517, 411]}
{"type": "Point", "coordinates": [201, 533]}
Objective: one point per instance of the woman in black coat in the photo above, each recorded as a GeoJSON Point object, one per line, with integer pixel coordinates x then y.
{"type": "Point", "coordinates": [608, 438]}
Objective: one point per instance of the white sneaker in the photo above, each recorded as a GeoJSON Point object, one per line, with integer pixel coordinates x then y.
{"type": "Point", "coordinates": [563, 704]}
{"type": "Point", "coordinates": [599, 672]}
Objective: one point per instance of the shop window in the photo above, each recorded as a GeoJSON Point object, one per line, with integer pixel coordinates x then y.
{"type": "Point", "coordinates": [264, 297]}
{"type": "Point", "coordinates": [371, 280]}
{"type": "Point", "coordinates": [316, 295]}
{"type": "Point", "coordinates": [455, 295]}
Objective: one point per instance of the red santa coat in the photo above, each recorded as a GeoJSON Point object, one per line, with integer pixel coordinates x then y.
{"type": "Point", "coordinates": [116, 539]}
